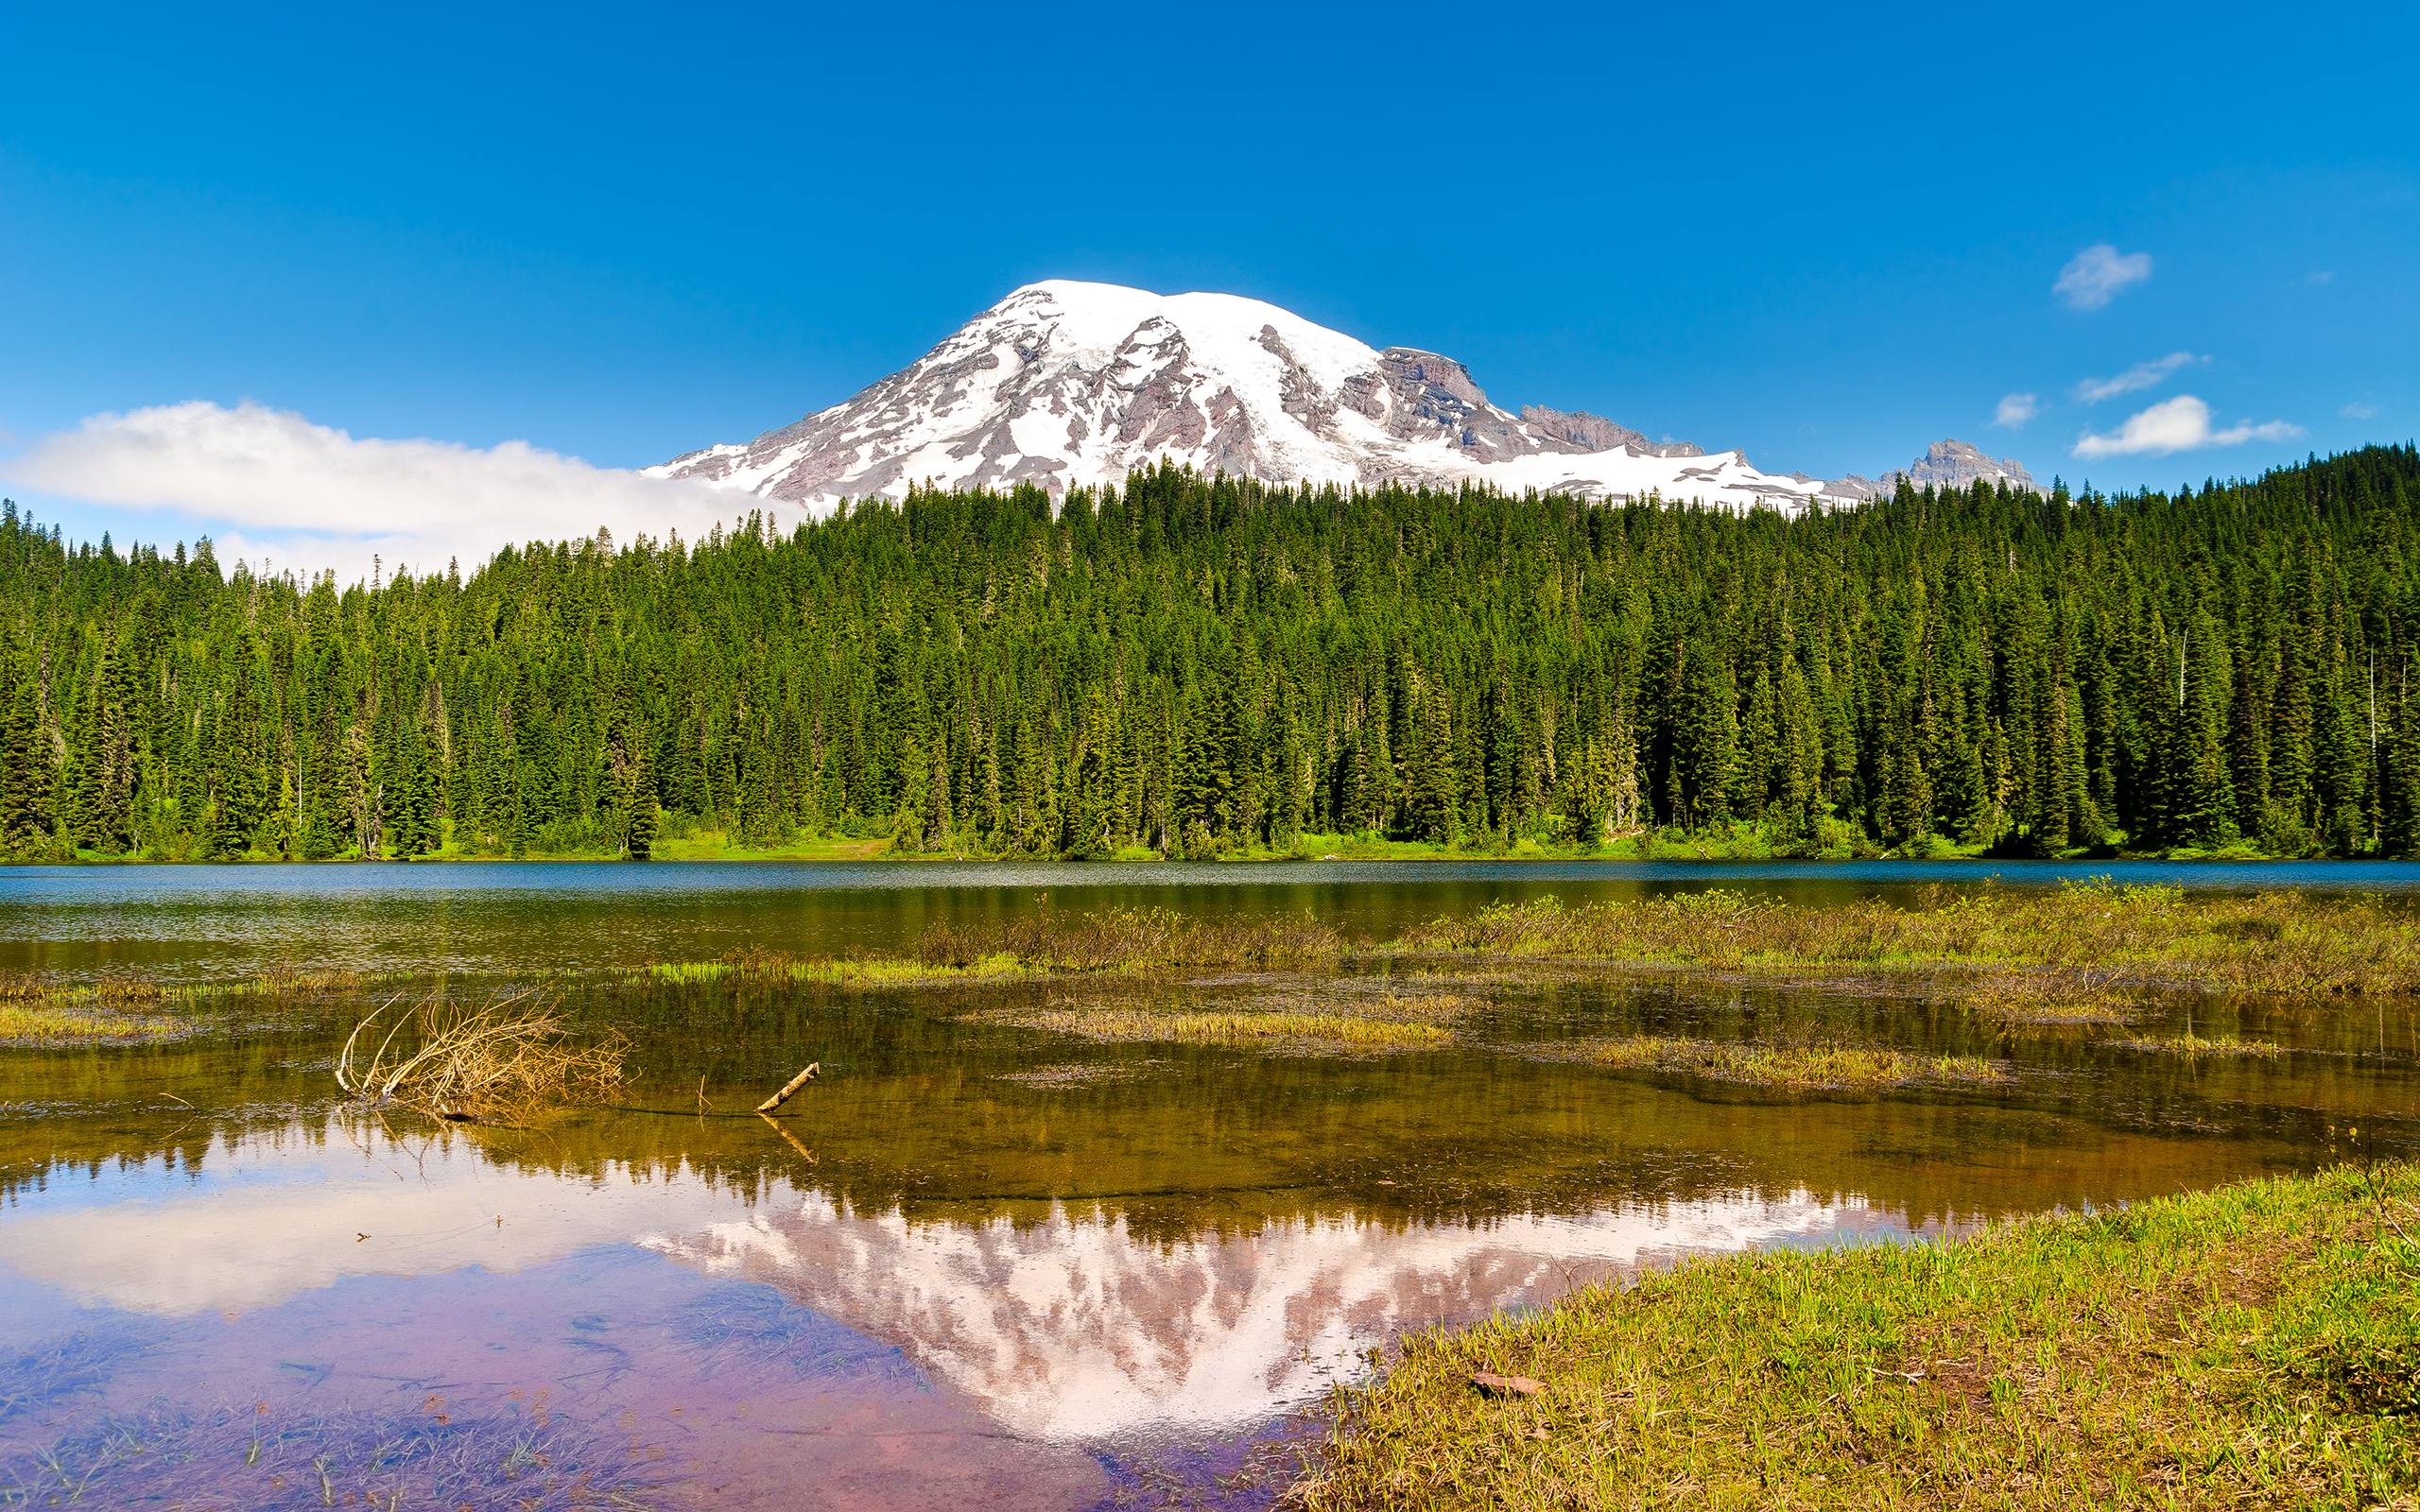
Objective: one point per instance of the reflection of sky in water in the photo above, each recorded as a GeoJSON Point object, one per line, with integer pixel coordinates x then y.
{"type": "Point", "coordinates": [1067, 1329]}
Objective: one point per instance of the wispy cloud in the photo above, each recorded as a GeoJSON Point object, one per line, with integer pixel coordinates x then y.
{"type": "Point", "coordinates": [269, 482]}
{"type": "Point", "coordinates": [2015, 410]}
{"type": "Point", "coordinates": [2360, 410]}
{"type": "Point", "coordinates": [2179, 424]}
{"type": "Point", "coordinates": [2142, 375]}
{"type": "Point", "coordinates": [2098, 273]}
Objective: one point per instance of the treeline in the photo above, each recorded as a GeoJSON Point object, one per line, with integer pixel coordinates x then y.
{"type": "Point", "coordinates": [1200, 666]}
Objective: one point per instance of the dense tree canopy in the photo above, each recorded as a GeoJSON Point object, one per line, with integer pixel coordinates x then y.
{"type": "Point", "coordinates": [1197, 665]}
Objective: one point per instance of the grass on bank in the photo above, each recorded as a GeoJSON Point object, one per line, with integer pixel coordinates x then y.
{"type": "Point", "coordinates": [1794, 1067]}
{"type": "Point", "coordinates": [2253, 1346]}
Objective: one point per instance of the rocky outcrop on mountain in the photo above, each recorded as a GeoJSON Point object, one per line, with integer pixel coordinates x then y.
{"type": "Point", "coordinates": [1946, 464]}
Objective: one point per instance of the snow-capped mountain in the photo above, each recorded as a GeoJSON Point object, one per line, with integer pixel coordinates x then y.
{"type": "Point", "coordinates": [1067, 385]}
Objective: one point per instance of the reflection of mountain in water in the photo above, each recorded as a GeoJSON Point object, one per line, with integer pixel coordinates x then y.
{"type": "Point", "coordinates": [1076, 1328]}
{"type": "Point", "coordinates": [1072, 1325]}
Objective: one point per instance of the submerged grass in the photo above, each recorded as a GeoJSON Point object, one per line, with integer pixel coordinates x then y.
{"type": "Point", "coordinates": [1347, 1022]}
{"type": "Point", "coordinates": [2255, 1344]}
{"type": "Point", "coordinates": [1226, 1027]}
{"type": "Point", "coordinates": [1134, 939]}
{"type": "Point", "coordinates": [1794, 1067]}
{"type": "Point", "coordinates": [763, 968]}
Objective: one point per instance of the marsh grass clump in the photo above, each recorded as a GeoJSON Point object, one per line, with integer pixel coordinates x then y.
{"type": "Point", "coordinates": [1802, 1067]}
{"type": "Point", "coordinates": [2107, 938]}
{"type": "Point", "coordinates": [760, 967]}
{"type": "Point", "coordinates": [2194, 1046]}
{"type": "Point", "coordinates": [1247, 1028]}
{"type": "Point", "coordinates": [41, 1010]}
{"type": "Point", "coordinates": [1127, 940]}
{"type": "Point", "coordinates": [501, 1060]}
{"type": "Point", "coordinates": [1299, 1020]}
{"type": "Point", "coordinates": [2252, 1346]}
{"type": "Point", "coordinates": [2033, 997]}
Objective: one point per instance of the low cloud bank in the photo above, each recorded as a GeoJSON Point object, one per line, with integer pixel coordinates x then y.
{"type": "Point", "coordinates": [270, 483]}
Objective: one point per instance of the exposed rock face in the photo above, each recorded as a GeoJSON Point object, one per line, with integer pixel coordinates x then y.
{"type": "Point", "coordinates": [1946, 464]}
{"type": "Point", "coordinates": [1066, 385]}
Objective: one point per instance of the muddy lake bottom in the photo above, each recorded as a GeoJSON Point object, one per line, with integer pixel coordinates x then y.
{"type": "Point", "coordinates": [977, 1261]}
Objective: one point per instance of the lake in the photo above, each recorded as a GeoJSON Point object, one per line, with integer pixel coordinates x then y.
{"type": "Point", "coordinates": [978, 1260]}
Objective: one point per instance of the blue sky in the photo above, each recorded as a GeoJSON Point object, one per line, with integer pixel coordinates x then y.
{"type": "Point", "coordinates": [619, 233]}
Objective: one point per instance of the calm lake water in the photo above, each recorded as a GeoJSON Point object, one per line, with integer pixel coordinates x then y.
{"type": "Point", "coordinates": [499, 917]}
{"type": "Point", "coordinates": [981, 1262]}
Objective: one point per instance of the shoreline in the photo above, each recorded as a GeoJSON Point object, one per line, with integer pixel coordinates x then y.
{"type": "Point", "coordinates": [2250, 1343]}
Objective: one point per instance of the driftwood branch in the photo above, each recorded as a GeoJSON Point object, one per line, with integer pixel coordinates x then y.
{"type": "Point", "coordinates": [788, 1089]}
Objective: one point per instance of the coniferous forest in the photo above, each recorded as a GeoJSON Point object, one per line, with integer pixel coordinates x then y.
{"type": "Point", "coordinates": [1199, 667]}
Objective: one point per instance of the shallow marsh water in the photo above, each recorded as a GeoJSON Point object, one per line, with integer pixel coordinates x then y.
{"type": "Point", "coordinates": [981, 1262]}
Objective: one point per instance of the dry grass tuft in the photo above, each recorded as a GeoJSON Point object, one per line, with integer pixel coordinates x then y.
{"type": "Point", "coordinates": [504, 1060]}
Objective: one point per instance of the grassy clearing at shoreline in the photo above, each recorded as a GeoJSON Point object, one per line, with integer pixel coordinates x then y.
{"type": "Point", "coordinates": [2255, 1344]}
{"type": "Point", "coordinates": [1794, 1067]}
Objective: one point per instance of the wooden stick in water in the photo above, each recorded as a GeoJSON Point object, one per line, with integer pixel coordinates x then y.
{"type": "Point", "coordinates": [788, 1091]}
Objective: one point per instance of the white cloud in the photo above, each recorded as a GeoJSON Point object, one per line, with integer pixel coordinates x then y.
{"type": "Point", "coordinates": [2361, 409]}
{"type": "Point", "coordinates": [2096, 275]}
{"type": "Point", "coordinates": [2179, 424]}
{"type": "Point", "coordinates": [268, 483]}
{"type": "Point", "coordinates": [2142, 375]}
{"type": "Point", "coordinates": [2015, 410]}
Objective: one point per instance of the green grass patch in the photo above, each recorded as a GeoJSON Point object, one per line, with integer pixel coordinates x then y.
{"type": "Point", "coordinates": [51, 1024]}
{"type": "Point", "coordinates": [1794, 1067]}
{"type": "Point", "coordinates": [2253, 1346]}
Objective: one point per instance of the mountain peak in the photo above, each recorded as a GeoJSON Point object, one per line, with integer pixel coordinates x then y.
{"type": "Point", "coordinates": [1065, 384]}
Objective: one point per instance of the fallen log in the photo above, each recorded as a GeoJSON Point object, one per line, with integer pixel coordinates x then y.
{"type": "Point", "coordinates": [789, 1089]}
